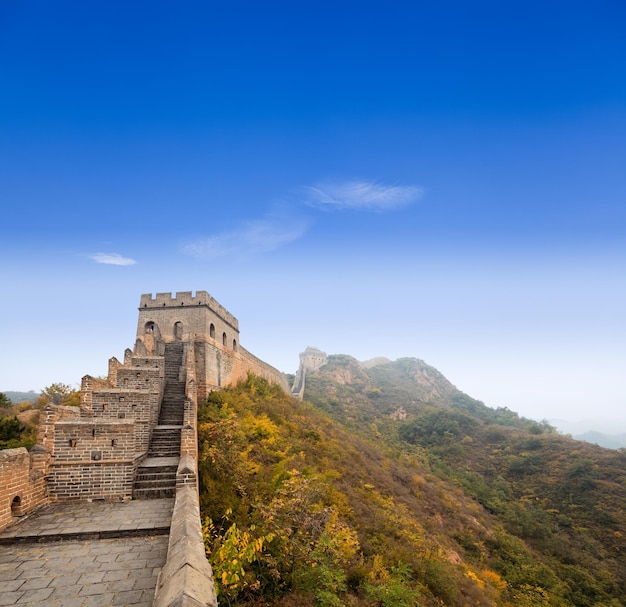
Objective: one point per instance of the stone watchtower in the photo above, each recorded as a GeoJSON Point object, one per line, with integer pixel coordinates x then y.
{"type": "Point", "coordinates": [210, 334]}
{"type": "Point", "coordinates": [310, 360]}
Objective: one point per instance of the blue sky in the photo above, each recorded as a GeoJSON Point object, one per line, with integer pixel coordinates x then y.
{"type": "Point", "coordinates": [440, 180]}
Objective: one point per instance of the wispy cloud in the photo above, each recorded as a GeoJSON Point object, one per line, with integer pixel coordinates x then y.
{"type": "Point", "coordinates": [112, 259]}
{"type": "Point", "coordinates": [361, 195]}
{"type": "Point", "coordinates": [290, 219]}
{"type": "Point", "coordinates": [255, 237]}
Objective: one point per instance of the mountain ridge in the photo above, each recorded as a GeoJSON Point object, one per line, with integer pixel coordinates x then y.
{"type": "Point", "coordinates": [448, 503]}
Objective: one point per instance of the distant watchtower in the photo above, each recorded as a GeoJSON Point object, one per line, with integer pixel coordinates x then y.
{"type": "Point", "coordinates": [310, 360]}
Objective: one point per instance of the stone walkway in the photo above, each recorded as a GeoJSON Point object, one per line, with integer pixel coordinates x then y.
{"type": "Point", "coordinates": [85, 554]}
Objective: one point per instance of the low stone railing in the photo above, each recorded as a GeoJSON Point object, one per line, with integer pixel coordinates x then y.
{"type": "Point", "coordinates": [186, 580]}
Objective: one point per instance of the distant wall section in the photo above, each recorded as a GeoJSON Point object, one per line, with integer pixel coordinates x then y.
{"type": "Point", "coordinates": [310, 360]}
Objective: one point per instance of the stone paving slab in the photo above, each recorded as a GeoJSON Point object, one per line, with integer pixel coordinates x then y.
{"type": "Point", "coordinates": [85, 519]}
{"type": "Point", "coordinates": [95, 573]}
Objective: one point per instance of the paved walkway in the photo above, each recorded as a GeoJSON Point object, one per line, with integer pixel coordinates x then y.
{"type": "Point", "coordinates": [85, 554]}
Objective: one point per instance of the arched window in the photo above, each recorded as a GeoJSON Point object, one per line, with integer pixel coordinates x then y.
{"type": "Point", "coordinates": [178, 330]}
{"type": "Point", "coordinates": [212, 331]}
{"type": "Point", "coordinates": [16, 506]}
{"type": "Point", "coordinates": [150, 327]}
{"type": "Point", "coordinates": [224, 339]}
{"type": "Point", "coordinates": [234, 345]}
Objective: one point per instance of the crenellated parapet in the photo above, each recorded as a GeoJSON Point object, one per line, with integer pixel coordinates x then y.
{"type": "Point", "coordinates": [181, 300]}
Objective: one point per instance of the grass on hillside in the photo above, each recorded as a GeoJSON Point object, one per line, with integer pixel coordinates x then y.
{"type": "Point", "coordinates": [301, 510]}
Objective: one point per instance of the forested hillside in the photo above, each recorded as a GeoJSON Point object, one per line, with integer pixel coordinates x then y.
{"type": "Point", "coordinates": [389, 487]}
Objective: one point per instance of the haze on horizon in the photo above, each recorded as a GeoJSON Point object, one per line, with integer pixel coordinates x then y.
{"type": "Point", "coordinates": [376, 179]}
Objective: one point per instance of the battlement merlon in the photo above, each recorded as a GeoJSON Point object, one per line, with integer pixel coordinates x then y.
{"type": "Point", "coordinates": [186, 298]}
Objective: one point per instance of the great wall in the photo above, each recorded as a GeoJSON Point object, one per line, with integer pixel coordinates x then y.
{"type": "Point", "coordinates": [117, 476]}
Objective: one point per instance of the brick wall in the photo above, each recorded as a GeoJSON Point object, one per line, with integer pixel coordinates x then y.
{"type": "Point", "coordinates": [47, 420]}
{"type": "Point", "coordinates": [92, 460]}
{"type": "Point", "coordinates": [107, 480]}
{"type": "Point", "coordinates": [138, 406]}
{"type": "Point", "coordinates": [23, 485]}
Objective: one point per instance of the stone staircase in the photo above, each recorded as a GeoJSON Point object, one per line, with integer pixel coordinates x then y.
{"type": "Point", "coordinates": [156, 475]}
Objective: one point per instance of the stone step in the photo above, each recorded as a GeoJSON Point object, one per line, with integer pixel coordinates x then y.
{"type": "Point", "coordinates": [173, 413]}
{"type": "Point", "coordinates": [167, 483]}
{"type": "Point", "coordinates": [166, 419]}
{"type": "Point", "coordinates": [155, 476]}
{"type": "Point", "coordinates": [158, 480]}
{"type": "Point", "coordinates": [161, 446]}
{"type": "Point", "coordinates": [154, 480]}
{"type": "Point", "coordinates": [165, 447]}
{"type": "Point", "coordinates": [148, 494]}
{"type": "Point", "coordinates": [158, 469]}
